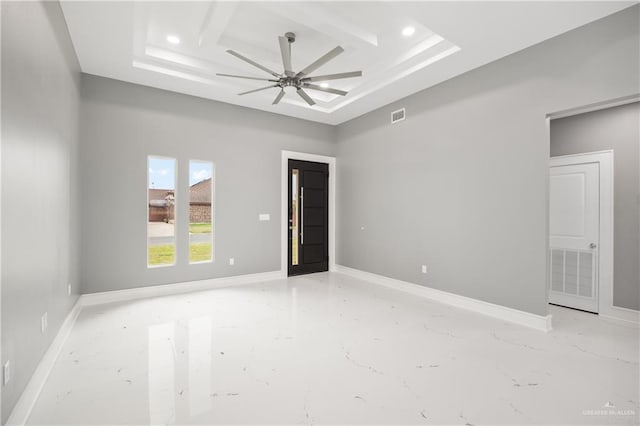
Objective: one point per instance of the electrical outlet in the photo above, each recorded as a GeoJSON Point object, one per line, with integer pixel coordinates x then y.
{"type": "Point", "coordinates": [232, 261]}
{"type": "Point", "coordinates": [424, 269]}
{"type": "Point", "coordinates": [69, 289]}
{"type": "Point", "coordinates": [6, 373]}
{"type": "Point", "coordinates": [43, 322]}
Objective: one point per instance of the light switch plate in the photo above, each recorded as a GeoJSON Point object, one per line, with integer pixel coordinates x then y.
{"type": "Point", "coordinates": [264, 217]}
{"type": "Point", "coordinates": [43, 322]}
{"type": "Point", "coordinates": [6, 373]}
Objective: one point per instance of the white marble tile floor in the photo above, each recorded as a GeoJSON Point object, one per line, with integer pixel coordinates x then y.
{"type": "Point", "coordinates": [330, 349]}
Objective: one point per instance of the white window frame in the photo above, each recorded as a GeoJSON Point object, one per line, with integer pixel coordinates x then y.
{"type": "Point", "coordinates": [213, 212]}
{"type": "Point", "coordinates": [175, 212]}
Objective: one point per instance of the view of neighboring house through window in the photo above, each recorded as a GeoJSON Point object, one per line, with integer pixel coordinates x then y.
{"type": "Point", "coordinates": [161, 186]}
{"type": "Point", "coordinates": [200, 211]}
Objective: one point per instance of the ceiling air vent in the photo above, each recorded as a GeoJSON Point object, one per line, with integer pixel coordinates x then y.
{"type": "Point", "coordinates": [398, 115]}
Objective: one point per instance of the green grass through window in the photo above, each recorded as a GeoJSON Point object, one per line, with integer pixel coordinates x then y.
{"type": "Point", "coordinates": [199, 228]}
{"type": "Point", "coordinates": [164, 254]}
{"type": "Point", "coordinates": [200, 252]}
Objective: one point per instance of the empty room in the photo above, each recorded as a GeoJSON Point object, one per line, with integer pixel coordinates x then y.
{"type": "Point", "coordinates": [311, 212]}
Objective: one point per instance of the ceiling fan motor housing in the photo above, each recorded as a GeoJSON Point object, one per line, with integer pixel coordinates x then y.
{"type": "Point", "coordinates": [290, 81]}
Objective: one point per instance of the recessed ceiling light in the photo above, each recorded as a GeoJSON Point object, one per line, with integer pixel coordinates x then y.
{"type": "Point", "coordinates": [325, 85]}
{"type": "Point", "coordinates": [408, 31]}
{"type": "Point", "coordinates": [173, 39]}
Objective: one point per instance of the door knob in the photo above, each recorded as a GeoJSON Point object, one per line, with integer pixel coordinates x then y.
{"type": "Point", "coordinates": [593, 245]}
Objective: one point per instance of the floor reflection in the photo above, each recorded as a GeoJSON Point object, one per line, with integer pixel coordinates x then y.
{"type": "Point", "coordinates": [200, 365]}
{"type": "Point", "coordinates": [162, 357]}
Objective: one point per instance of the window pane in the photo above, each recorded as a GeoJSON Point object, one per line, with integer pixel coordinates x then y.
{"type": "Point", "coordinates": [294, 217]}
{"type": "Point", "coordinates": [200, 211]}
{"type": "Point", "coordinates": [161, 243]}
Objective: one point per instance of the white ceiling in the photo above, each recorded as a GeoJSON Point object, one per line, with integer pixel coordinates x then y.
{"type": "Point", "coordinates": [128, 41]}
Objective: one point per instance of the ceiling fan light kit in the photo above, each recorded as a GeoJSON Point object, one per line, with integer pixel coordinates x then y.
{"type": "Point", "coordinates": [288, 78]}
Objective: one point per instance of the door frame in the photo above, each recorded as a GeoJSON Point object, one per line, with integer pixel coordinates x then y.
{"type": "Point", "coordinates": [284, 205]}
{"type": "Point", "coordinates": [605, 244]}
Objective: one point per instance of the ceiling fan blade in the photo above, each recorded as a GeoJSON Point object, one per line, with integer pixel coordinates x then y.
{"type": "Point", "coordinates": [285, 50]}
{"type": "Point", "coordinates": [255, 64]}
{"type": "Point", "coordinates": [257, 90]}
{"type": "Point", "coordinates": [277, 99]}
{"type": "Point", "coordinates": [325, 89]}
{"type": "Point", "coordinates": [306, 97]}
{"type": "Point", "coordinates": [246, 77]}
{"type": "Point", "coordinates": [332, 76]}
{"type": "Point", "coordinates": [321, 61]}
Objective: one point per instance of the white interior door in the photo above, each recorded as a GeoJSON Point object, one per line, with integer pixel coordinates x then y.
{"type": "Point", "coordinates": [574, 229]}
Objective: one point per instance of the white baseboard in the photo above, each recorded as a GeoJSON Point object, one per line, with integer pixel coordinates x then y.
{"type": "Point", "coordinates": [177, 288]}
{"type": "Point", "coordinates": [622, 316]}
{"type": "Point", "coordinates": [537, 322]}
{"type": "Point", "coordinates": [22, 410]}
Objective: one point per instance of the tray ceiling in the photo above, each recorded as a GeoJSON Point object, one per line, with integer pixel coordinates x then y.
{"type": "Point", "coordinates": [180, 46]}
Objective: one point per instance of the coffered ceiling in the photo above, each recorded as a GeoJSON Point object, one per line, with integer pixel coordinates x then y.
{"type": "Point", "coordinates": [180, 46]}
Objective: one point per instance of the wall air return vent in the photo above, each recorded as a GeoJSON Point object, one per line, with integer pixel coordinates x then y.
{"type": "Point", "coordinates": [573, 272]}
{"type": "Point", "coordinates": [398, 115]}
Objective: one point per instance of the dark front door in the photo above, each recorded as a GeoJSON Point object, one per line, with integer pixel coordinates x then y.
{"type": "Point", "coordinates": [308, 217]}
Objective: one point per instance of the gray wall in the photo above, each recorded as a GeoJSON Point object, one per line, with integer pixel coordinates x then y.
{"type": "Point", "coordinates": [121, 124]}
{"type": "Point", "coordinates": [40, 95]}
{"type": "Point", "coordinates": [461, 185]}
{"type": "Point", "coordinates": [617, 129]}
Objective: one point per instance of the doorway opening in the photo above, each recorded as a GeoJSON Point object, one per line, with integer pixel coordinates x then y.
{"type": "Point", "coordinates": [593, 232]}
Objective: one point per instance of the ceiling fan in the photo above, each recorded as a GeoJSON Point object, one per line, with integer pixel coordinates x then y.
{"type": "Point", "coordinates": [289, 78]}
